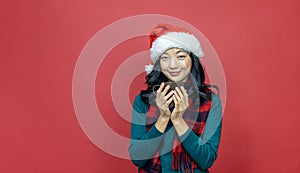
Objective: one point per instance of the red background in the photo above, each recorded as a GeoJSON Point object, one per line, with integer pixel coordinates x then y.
{"type": "Point", "coordinates": [257, 42]}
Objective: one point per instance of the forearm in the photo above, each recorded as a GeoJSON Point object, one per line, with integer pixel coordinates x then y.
{"type": "Point", "coordinates": [180, 126]}
{"type": "Point", "coordinates": [143, 148]}
{"type": "Point", "coordinates": [204, 152]}
{"type": "Point", "coordinates": [147, 145]}
{"type": "Point", "coordinates": [161, 123]}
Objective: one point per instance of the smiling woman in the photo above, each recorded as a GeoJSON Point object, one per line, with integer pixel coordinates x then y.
{"type": "Point", "coordinates": [176, 64]}
{"type": "Point", "coordinates": [175, 127]}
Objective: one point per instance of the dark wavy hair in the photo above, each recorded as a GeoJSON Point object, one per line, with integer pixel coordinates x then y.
{"type": "Point", "coordinates": [197, 76]}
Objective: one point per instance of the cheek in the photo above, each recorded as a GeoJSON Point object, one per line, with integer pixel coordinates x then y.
{"type": "Point", "coordinates": [190, 66]}
{"type": "Point", "coordinates": [187, 65]}
{"type": "Point", "coordinates": [163, 66]}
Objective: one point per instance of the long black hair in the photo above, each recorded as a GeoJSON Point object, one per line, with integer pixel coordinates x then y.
{"type": "Point", "coordinates": [156, 77]}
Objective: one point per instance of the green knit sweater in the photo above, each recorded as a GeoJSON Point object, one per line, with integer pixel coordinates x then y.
{"type": "Point", "coordinates": [144, 144]}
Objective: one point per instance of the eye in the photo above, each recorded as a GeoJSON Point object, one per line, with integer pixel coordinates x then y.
{"type": "Point", "coordinates": [164, 58]}
{"type": "Point", "coordinates": [181, 57]}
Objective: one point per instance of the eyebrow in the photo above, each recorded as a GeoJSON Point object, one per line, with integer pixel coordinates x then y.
{"type": "Point", "coordinates": [180, 51]}
{"type": "Point", "coordinates": [175, 52]}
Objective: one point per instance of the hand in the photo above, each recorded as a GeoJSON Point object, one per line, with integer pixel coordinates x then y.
{"type": "Point", "coordinates": [181, 102]}
{"type": "Point", "coordinates": [163, 101]}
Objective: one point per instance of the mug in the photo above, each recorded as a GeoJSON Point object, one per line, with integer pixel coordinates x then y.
{"type": "Point", "coordinates": [172, 85]}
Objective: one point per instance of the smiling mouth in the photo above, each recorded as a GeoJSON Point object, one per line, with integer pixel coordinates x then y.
{"type": "Point", "coordinates": [174, 73]}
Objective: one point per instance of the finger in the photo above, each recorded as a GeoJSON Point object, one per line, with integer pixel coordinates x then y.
{"type": "Point", "coordinates": [178, 90]}
{"type": "Point", "coordinates": [163, 96]}
{"type": "Point", "coordinates": [169, 101]}
{"type": "Point", "coordinates": [166, 90]}
{"type": "Point", "coordinates": [175, 102]}
{"type": "Point", "coordinates": [179, 93]}
{"type": "Point", "coordinates": [183, 91]}
{"type": "Point", "coordinates": [158, 92]}
{"type": "Point", "coordinates": [177, 98]}
{"type": "Point", "coordinates": [169, 95]}
{"type": "Point", "coordinates": [160, 88]}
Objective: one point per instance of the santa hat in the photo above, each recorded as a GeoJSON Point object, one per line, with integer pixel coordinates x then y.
{"type": "Point", "coordinates": [165, 36]}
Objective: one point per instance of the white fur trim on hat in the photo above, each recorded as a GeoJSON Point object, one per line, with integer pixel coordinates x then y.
{"type": "Point", "coordinates": [149, 68]}
{"type": "Point", "coordinates": [183, 40]}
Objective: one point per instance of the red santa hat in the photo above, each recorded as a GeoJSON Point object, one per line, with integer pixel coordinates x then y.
{"type": "Point", "coordinates": [166, 36]}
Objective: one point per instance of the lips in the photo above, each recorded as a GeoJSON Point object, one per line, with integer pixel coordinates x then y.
{"type": "Point", "coordinates": [174, 73]}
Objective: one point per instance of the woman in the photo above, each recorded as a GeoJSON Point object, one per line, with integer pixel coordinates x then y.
{"type": "Point", "coordinates": [175, 129]}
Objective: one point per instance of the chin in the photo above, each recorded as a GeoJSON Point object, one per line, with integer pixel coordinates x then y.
{"type": "Point", "coordinates": [176, 79]}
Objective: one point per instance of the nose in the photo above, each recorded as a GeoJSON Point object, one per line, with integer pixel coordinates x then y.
{"type": "Point", "coordinates": [173, 63]}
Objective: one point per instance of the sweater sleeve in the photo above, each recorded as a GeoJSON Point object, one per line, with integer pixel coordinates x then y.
{"type": "Point", "coordinates": [143, 144]}
{"type": "Point", "coordinates": [204, 149]}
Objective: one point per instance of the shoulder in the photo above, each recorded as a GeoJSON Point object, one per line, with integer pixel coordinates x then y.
{"type": "Point", "coordinates": [139, 105]}
{"type": "Point", "coordinates": [138, 99]}
{"type": "Point", "coordinates": [215, 99]}
{"type": "Point", "coordinates": [216, 107]}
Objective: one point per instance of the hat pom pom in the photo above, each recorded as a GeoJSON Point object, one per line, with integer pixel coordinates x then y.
{"type": "Point", "coordinates": [149, 68]}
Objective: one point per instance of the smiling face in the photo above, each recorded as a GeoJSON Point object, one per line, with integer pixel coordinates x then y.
{"type": "Point", "coordinates": [176, 64]}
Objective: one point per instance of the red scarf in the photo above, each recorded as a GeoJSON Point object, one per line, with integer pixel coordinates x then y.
{"type": "Point", "coordinates": [195, 118]}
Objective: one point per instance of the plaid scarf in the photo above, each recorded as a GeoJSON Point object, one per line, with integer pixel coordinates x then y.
{"type": "Point", "coordinates": [195, 118]}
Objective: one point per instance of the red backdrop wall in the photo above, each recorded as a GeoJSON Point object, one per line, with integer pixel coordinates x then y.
{"type": "Point", "coordinates": [257, 42]}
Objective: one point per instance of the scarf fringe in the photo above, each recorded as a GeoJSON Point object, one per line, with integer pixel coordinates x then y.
{"type": "Point", "coordinates": [182, 161]}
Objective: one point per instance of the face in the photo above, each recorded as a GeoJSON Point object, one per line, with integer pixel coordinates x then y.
{"type": "Point", "coordinates": [176, 64]}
